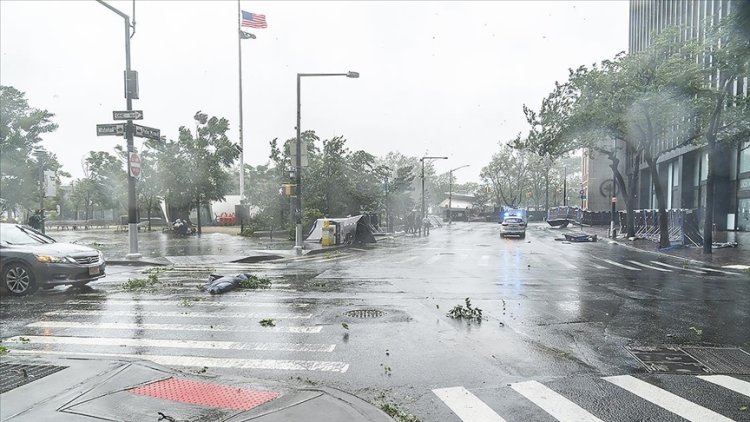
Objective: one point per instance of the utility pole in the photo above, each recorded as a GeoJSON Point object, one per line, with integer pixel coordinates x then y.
{"type": "Point", "coordinates": [612, 229]}
{"type": "Point", "coordinates": [130, 88]}
{"type": "Point", "coordinates": [424, 210]}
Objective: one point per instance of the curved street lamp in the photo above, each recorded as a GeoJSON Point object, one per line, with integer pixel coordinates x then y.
{"type": "Point", "coordinates": [298, 161]}
{"type": "Point", "coordinates": [450, 193]}
{"type": "Point", "coordinates": [424, 211]}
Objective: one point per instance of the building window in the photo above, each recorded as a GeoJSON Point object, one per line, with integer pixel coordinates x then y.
{"type": "Point", "coordinates": [704, 166]}
{"type": "Point", "coordinates": [675, 175]}
{"type": "Point", "coordinates": [743, 223]}
{"type": "Point", "coordinates": [745, 158]}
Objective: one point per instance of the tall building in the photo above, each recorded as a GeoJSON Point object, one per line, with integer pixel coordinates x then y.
{"type": "Point", "coordinates": [684, 169]}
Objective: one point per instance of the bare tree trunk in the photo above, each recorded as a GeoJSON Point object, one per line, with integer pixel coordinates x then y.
{"type": "Point", "coordinates": [661, 201]}
{"type": "Point", "coordinates": [198, 213]}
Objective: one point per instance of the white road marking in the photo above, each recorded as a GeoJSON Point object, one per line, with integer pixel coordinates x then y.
{"type": "Point", "coordinates": [666, 400]}
{"type": "Point", "coordinates": [600, 267]}
{"type": "Point", "coordinates": [553, 403]}
{"type": "Point", "coordinates": [617, 264]}
{"type": "Point", "coordinates": [734, 384]}
{"type": "Point", "coordinates": [409, 259]}
{"type": "Point", "coordinates": [184, 344]}
{"type": "Point", "coordinates": [664, 270]}
{"type": "Point", "coordinates": [484, 260]}
{"type": "Point", "coordinates": [174, 314]}
{"type": "Point", "coordinates": [171, 327]}
{"type": "Point", "coordinates": [467, 406]}
{"type": "Point", "coordinates": [198, 303]}
{"type": "Point", "coordinates": [737, 267]}
{"type": "Point", "coordinates": [433, 260]}
{"type": "Point", "coordinates": [718, 271]}
{"type": "Point", "coordinates": [272, 364]}
{"type": "Point", "coordinates": [676, 267]}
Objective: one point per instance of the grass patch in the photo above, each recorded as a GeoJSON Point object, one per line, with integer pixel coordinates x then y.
{"type": "Point", "coordinates": [268, 322]}
{"type": "Point", "coordinates": [466, 312]}
{"type": "Point", "coordinates": [255, 282]}
{"type": "Point", "coordinates": [4, 351]}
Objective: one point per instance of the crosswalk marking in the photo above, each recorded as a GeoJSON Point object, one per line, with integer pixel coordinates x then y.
{"type": "Point", "coordinates": [484, 260]}
{"type": "Point", "coordinates": [664, 399]}
{"type": "Point", "coordinates": [617, 264]}
{"type": "Point", "coordinates": [677, 268]}
{"type": "Point", "coordinates": [197, 301]}
{"type": "Point", "coordinates": [191, 314]}
{"type": "Point", "coordinates": [272, 364]}
{"type": "Point", "coordinates": [409, 259]}
{"type": "Point", "coordinates": [433, 260]}
{"type": "Point", "coordinates": [718, 271]}
{"type": "Point", "coordinates": [553, 403]}
{"type": "Point", "coordinates": [185, 344]}
{"type": "Point", "coordinates": [734, 384]}
{"type": "Point", "coordinates": [664, 270]}
{"type": "Point", "coordinates": [467, 406]}
{"type": "Point", "coordinates": [172, 327]}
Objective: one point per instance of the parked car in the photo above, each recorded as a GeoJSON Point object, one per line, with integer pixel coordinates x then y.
{"type": "Point", "coordinates": [513, 226]}
{"type": "Point", "coordinates": [30, 259]}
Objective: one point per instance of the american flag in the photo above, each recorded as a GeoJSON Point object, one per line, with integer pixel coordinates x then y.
{"type": "Point", "coordinates": [253, 20]}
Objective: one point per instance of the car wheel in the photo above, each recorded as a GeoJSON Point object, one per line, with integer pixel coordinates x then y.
{"type": "Point", "coordinates": [18, 279]}
{"type": "Point", "coordinates": [523, 236]}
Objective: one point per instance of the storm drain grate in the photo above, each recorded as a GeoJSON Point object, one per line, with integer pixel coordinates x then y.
{"type": "Point", "coordinates": [730, 361]}
{"type": "Point", "coordinates": [13, 376]}
{"type": "Point", "coordinates": [668, 360]}
{"type": "Point", "coordinates": [364, 313]}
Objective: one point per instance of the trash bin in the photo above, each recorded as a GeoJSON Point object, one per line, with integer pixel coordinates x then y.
{"type": "Point", "coordinates": [327, 237]}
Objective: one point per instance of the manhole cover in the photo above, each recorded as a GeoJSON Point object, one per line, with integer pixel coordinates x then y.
{"type": "Point", "coordinates": [13, 376]}
{"type": "Point", "coordinates": [364, 313]}
{"type": "Point", "coordinates": [667, 359]}
{"type": "Point", "coordinates": [722, 360]}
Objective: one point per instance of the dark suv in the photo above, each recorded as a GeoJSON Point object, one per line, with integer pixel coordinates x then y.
{"type": "Point", "coordinates": [30, 259]}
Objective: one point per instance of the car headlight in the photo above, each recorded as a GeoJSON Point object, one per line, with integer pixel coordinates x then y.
{"type": "Point", "coordinates": [101, 256]}
{"type": "Point", "coordinates": [49, 259]}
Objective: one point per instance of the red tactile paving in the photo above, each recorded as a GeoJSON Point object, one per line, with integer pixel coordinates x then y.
{"type": "Point", "coordinates": [206, 394]}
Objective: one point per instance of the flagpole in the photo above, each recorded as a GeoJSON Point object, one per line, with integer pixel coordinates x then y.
{"type": "Point", "coordinates": [242, 147]}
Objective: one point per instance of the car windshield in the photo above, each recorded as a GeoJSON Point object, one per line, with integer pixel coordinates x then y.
{"type": "Point", "coordinates": [19, 235]}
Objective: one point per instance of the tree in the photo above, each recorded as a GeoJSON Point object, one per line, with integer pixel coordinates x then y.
{"type": "Point", "coordinates": [507, 174]}
{"type": "Point", "coordinates": [21, 130]}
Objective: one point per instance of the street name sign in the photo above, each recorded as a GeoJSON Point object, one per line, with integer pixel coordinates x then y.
{"type": "Point", "coordinates": [111, 129]}
{"type": "Point", "coordinates": [127, 115]}
{"type": "Point", "coordinates": [147, 132]}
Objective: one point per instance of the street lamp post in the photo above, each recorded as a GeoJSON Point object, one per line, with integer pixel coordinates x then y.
{"type": "Point", "coordinates": [41, 157]}
{"type": "Point", "coordinates": [424, 211]}
{"type": "Point", "coordinates": [132, 210]}
{"type": "Point", "coordinates": [450, 193]}
{"type": "Point", "coordinates": [298, 161]}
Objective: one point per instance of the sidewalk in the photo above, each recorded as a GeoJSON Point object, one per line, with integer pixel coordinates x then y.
{"type": "Point", "coordinates": [75, 389]}
{"type": "Point", "coordinates": [737, 257]}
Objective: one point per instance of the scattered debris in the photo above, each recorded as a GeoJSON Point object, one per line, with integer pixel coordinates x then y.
{"type": "Point", "coordinates": [387, 352]}
{"type": "Point", "coordinates": [392, 410]}
{"type": "Point", "coordinates": [582, 237]}
{"type": "Point", "coordinates": [437, 306]}
{"type": "Point", "coordinates": [386, 369]}
{"type": "Point", "coordinates": [719, 245]}
{"type": "Point", "coordinates": [136, 284]}
{"type": "Point", "coordinates": [345, 325]}
{"type": "Point", "coordinates": [163, 417]}
{"type": "Point", "coordinates": [3, 350]}
{"type": "Point", "coordinates": [221, 284]}
{"type": "Point", "coordinates": [469, 313]}
{"type": "Point", "coordinates": [697, 331]}
{"type": "Point", "coordinates": [24, 339]}
{"type": "Point", "coordinates": [268, 322]}
{"type": "Point", "coordinates": [201, 371]}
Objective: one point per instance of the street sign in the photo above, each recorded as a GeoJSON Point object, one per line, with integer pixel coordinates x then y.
{"type": "Point", "coordinates": [110, 129]}
{"type": "Point", "coordinates": [147, 132]}
{"type": "Point", "coordinates": [135, 165]}
{"type": "Point", "coordinates": [127, 115]}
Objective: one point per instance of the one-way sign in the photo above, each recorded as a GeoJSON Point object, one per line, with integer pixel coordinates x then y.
{"type": "Point", "coordinates": [147, 132]}
{"type": "Point", "coordinates": [111, 129]}
{"type": "Point", "coordinates": [128, 115]}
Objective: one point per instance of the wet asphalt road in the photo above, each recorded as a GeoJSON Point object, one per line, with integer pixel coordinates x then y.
{"type": "Point", "coordinates": [557, 318]}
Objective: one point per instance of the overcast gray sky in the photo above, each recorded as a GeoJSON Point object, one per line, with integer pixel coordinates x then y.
{"type": "Point", "coordinates": [448, 78]}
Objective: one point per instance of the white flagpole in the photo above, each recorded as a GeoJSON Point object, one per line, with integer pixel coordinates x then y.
{"type": "Point", "coordinates": [242, 146]}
